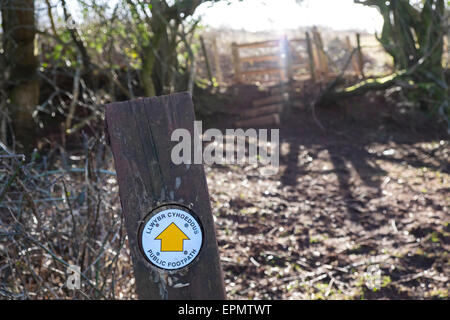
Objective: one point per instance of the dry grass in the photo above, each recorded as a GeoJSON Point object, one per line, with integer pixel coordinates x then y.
{"type": "Point", "coordinates": [60, 210]}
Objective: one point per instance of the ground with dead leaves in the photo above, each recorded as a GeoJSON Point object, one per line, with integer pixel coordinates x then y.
{"type": "Point", "coordinates": [360, 211]}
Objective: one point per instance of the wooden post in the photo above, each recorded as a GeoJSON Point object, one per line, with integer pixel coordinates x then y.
{"type": "Point", "coordinates": [205, 55]}
{"type": "Point", "coordinates": [316, 56]}
{"type": "Point", "coordinates": [272, 119]}
{"type": "Point", "coordinates": [324, 70]}
{"type": "Point", "coordinates": [285, 59]}
{"type": "Point", "coordinates": [353, 59]}
{"type": "Point", "coordinates": [278, 98]}
{"type": "Point", "coordinates": [140, 138]}
{"type": "Point", "coordinates": [236, 62]}
{"type": "Point", "coordinates": [217, 67]}
{"type": "Point", "coordinates": [252, 113]}
{"type": "Point", "coordinates": [360, 56]}
{"type": "Point", "coordinates": [312, 69]}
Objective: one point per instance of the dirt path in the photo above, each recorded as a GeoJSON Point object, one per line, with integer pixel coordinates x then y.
{"type": "Point", "coordinates": [365, 203]}
{"type": "Point", "coordinates": [358, 211]}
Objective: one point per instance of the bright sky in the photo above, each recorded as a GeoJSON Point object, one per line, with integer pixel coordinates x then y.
{"type": "Point", "coordinates": [258, 15]}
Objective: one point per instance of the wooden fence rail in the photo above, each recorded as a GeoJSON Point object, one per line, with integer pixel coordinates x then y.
{"type": "Point", "coordinates": [279, 56]}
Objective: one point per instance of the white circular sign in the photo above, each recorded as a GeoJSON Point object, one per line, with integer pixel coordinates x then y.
{"type": "Point", "coordinates": [171, 239]}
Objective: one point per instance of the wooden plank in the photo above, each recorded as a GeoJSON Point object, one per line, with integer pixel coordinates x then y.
{"type": "Point", "coordinates": [139, 134]}
{"type": "Point", "coordinates": [261, 71]}
{"type": "Point", "coordinates": [299, 66]}
{"type": "Point", "coordinates": [262, 110]}
{"type": "Point", "coordinates": [260, 44]}
{"type": "Point", "coordinates": [269, 100]}
{"type": "Point", "coordinates": [302, 77]}
{"type": "Point", "coordinates": [273, 119]}
{"type": "Point", "coordinates": [298, 40]}
{"type": "Point", "coordinates": [292, 86]}
{"type": "Point", "coordinates": [272, 57]}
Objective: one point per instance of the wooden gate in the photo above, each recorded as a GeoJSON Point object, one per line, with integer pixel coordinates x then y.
{"type": "Point", "coordinates": [281, 60]}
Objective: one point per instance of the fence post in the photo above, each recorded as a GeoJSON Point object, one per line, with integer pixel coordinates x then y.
{"type": "Point", "coordinates": [218, 69]}
{"type": "Point", "coordinates": [205, 55]}
{"type": "Point", "coordinates": [285, 59]}
{"type": "Point", "coordinates": [360, 56]}
{"type": "Point", "coordinates": [166, 206]}
{"type": "Point", "coordinates": [354, 62]}
{"type": "Point", "coordinates": [324, 70]}
{"type": "Point", "coordinates": [316, 55]}
{"type": "Point", "coordinates": [236, 62]}
{"type": "Point", "coordinates": [312, 69]}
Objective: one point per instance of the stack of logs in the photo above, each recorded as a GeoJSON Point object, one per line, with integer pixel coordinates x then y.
{"type": "Point", "coordinates": [265, 111]}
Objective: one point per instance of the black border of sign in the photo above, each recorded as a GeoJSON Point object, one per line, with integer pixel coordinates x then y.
{"type": "Point", "coordinates": [156, 210]}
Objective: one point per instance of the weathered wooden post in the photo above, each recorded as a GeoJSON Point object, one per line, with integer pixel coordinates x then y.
{"type": "Point", "coordinates": [217, 67]}
{"type": "Point", "coordinates": [353, 58]}
{"type": "Point", "coordinates": [236, 63]}
{"type": "Point", "coordinates": [207, 64]}
{"type": "Point", "coordinates": [323, 61]}
{"type": "Point", "coordinates": [309, 47]}
{"type": "Point", "coordinates": [285, 59]}
{"type": "Point", "coordinates": [360, 55]}
{"type": "Point", "coordinates": [166, 206]}
{"type": "Point", "coordinates": [316, 55]}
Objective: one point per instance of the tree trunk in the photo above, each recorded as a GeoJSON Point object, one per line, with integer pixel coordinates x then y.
{"type": "Point", "coordinates": [148, 61]}
{"type": "Point", "coordinates": [413, 36]}
{"type": "Point", "coordinates": [21, 64]}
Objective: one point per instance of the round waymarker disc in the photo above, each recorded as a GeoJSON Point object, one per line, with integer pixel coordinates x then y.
{"type": "Point", "coordinates": [171, 237]}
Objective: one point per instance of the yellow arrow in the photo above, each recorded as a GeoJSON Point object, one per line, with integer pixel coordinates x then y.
{"type": "Point", "coordinates": [172, 238]}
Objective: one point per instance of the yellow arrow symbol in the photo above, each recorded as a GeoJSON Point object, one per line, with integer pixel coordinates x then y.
{"type": "Point", "coordinates": [172, 238]}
